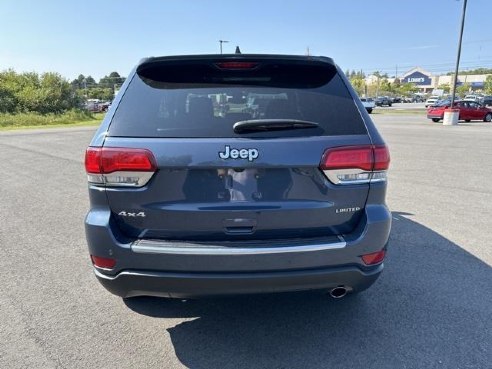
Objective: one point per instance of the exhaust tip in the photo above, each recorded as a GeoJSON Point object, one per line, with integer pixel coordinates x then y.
{"type": "Point", "coordinates": [338, 292]}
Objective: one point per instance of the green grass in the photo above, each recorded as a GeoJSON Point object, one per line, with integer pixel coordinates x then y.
{"type": "Point", "coordinates": [34, 120]}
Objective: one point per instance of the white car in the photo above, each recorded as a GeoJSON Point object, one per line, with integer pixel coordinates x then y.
{"type": "Point", "coordinates": [368, 103]}
{"type": "Point", "coordinates": [475, 98]}
{"type": "Point", "coordinates": [431, 101]}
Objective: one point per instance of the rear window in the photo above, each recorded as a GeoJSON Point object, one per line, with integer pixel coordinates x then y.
{"type": "Point", "coordinates": [202, 101]}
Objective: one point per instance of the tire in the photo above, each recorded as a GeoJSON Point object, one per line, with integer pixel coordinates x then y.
{"type": "Point", "coordinates": [435, 120]}
{"type": "Point", "coordinates": [389, 105]}
{"type": "Point", "coordinates": [467, 120]}
{"type": "Point", "coordinates": [488, 117]}
{"type": "Point", "coordinates": [369, 110]}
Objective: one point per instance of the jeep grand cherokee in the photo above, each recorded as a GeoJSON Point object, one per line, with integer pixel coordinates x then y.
{"type": "Point", "coordinates": [232, 174]}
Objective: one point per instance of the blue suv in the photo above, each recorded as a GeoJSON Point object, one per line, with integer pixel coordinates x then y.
{"type": "Point", "coordinates": [235, 174]}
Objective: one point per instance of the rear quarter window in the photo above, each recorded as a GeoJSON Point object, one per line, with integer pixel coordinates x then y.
{"type": "Point", "coordinates": [155, 107]}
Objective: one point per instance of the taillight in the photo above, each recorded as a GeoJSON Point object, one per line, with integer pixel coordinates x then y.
{"type": "Point", "coordinates": [104, 263]}
{"type": "Point", "coordinates": [355, 164]}
{"type": "Point", "coordinates": [115, 166]}
{"type": "Point", "coordinates": [237, 65]}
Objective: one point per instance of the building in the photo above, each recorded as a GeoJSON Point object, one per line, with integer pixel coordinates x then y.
{"type": "Point", "coordinates": [427, 82]}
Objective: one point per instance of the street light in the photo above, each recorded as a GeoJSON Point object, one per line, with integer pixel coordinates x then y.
{"type": "Point", "coordinates": [221, 42]}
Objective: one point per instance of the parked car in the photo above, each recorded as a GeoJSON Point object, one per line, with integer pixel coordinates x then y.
{"type": "Point", "coordinates": [431, 101]}
{"type": "Point", "coordinates": [486, 101]}
{"type": "Point", "coordinates": [97, 106]}
{"type": "Point", "coordinates": [472, 97]}
{"type": "Point", "coordinates": [383, 100]}
{"type": "Point", "coordinates": [368, 103]}
{"type": "Point", "coordinates": [418, 99]}
{"type": "Point", "coordinates": [396, 99]}
{"type": "Point", "coordinates": [187, 202]}
{"type": "Point", "coordinates": [469, 110]}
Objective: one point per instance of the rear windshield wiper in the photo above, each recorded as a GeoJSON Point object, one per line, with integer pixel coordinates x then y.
{"type": "Point", "coordinates": [271, 125]}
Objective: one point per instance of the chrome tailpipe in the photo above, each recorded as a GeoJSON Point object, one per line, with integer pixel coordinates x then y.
{"type": "Point", "coordinates": [338, 292]}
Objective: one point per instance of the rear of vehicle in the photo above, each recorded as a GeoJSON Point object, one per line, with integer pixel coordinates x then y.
{"type": "Point", "coordinates": [486, 101]}
{"type": "Point", "coordinates": [431, 101]}
{"type": "Point", "coordinates": [435, 112]}
{"type": "Point", "coordinates": [382, 101]}
{"type": "Point", "coordinates": [216, 175]}
{"type": "Point", "coordinates": [368, 104]}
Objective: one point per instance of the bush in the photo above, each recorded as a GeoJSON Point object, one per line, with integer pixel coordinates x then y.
{"type": "Point", "coordinates": [31, 92]}
{"type": "Point", "coordinates": [36, 119]}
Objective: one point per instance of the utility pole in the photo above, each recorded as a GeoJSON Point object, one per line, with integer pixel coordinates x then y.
{"type": "Point", "coordinates": [451, 116]}
{"type": "Point", "coordinates": [221, 42]}
{"type": "Point", "coordinates": [455, 79]}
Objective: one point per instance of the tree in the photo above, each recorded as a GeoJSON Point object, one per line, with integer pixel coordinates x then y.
{"type": "Point", "coordinates": [463, 89]}
{"type": "Point", "coordinates": [89, 81]}
{"type": "Point", "coordinates": [78, 82]}
{"type": "Point", "coordinates": [100, 93]}
{"type": "Point", "coordinates": [473, 71]}
{"type": "Point", "coordinates": [8, 101]}
{"type": "Point", "coordinates": [110, 81]}
{"type": "Point", "coordinates": [385, 86]}
{"type": "Point", "coordinates": [488, 84]}
{"type": "Point", "coordinates": [445, 87]}
{"type": "Point", "coordinates": [26, 92]}
{"type": "Point", "coordinates": [396, 84]}
{"type": "Point", "coordinates": [358, 84]}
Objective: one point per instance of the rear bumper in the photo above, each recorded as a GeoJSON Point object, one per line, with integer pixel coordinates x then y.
{"type": "Point", "coordinates": [434, 116]}
{"type": "Point", "coordinates": [189, 285]}
{"type": "Point", "coordinates": [166, 269]}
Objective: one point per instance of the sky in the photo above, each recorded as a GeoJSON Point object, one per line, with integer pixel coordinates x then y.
{"type": "Point", "coordinates": [96, 37]}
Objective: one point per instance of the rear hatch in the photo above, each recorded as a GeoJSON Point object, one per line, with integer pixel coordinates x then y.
{"type": "Point", "coordinates": [237, 148]}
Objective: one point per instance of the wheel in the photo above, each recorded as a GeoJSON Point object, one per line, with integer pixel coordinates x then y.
{"type": "Point", "coordinates": [488, 117]}
{"type": "Point", "coordinates": [467, 120]}
{"type": "Point", "coordinates": [435, 120]}
{"type": "Point", "coordinates": [370, 111]}
{"type": "Point", "coordinates": [389, 105]}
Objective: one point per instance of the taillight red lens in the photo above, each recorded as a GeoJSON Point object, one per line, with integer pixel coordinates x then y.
{"type": "Point", "coordinates": [348, 157]}
{"type": "Point", "coordinates": [112, 159]}
{"type": "Point", "coordinates": [381, 158]}
{"type": "Point", "coordinates": [374, 258]}
{"type": "Point", "coordinates": [93, 160]}
{"type": "Point", "coordinates": [356, 157]}
{"type": "Point", "coordinates": [355, 164]}
{"type": "Point", "coordinates": [100, 262]}
{"type": "Point", "coordinates": [236, 65]}
{"type": "Point", "coordinates": [135, 160]}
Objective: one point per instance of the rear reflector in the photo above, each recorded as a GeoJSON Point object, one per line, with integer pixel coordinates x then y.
{"type": "Point", "coordinates": [355, 164]}
{"type": "Point", "coordinates": [374, 258]}
{"type": "Point", "coordinates": [116, 166]}
{"type": "Point", "coordinates": [105, 263]}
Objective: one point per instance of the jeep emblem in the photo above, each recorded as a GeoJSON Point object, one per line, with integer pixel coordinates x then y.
{"type": "Point", "coordinates": [228, 153]}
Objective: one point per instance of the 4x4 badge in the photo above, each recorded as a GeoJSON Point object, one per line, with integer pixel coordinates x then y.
{"type": "Point", "coordinates": [129, 214]}
{"type": "Point", "coordinates": [228, 153]}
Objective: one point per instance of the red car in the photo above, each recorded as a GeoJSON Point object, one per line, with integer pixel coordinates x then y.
{"type": "Point", "coordinates": [469, 110]}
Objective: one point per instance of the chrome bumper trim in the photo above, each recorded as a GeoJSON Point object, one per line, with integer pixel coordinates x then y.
{"type": "Point", "coordinates": [165, 247]}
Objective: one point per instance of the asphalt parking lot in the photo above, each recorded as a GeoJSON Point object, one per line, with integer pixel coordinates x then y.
{"type": "Point", "coordinates": [432, 307]}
